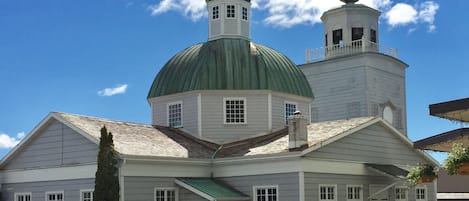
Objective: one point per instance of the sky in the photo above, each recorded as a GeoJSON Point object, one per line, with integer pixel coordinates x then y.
{"type": "Point", "coordinates": [99, 57]}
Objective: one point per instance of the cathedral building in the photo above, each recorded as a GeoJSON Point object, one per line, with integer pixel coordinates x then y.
{"type": "Point", "coordinates": [236, 120]}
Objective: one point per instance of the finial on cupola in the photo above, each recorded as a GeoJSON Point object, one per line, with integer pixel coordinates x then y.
{"type": "Point", "coordinates": [349, 1]}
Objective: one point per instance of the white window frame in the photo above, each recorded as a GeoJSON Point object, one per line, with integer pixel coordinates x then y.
{"type": "Point", "coordinates": [23, 194]}
{"type": "Point", "coordinates": [424, 188]}
{"type": "Point", "coordinates": [244, 110]}
{"type": "Point", "coordinates": [285, 109]}
{"type": "Point", "coordinates": [242, 13]}
{"type": "Point", "coordinates": [265, 187]}
{"type": "Point", "coordinates": [167, 113]}
{"type": "Point", "coordinates": [327, 186]}
{"type": "Point", "coordinates": [406, 193]}
{"type": "Point", "coordinates": [166, 189]}
{"type": "Point", "coordinates": [354, 186]}
{"type": "Point", "coordinates": [217, 16]}
{"type": "Point", "coordinates": [228, 13]}
{"type": "Point", "coordinates": [86, 191]}
{"type": "Point", "coordinates": [54, 192]}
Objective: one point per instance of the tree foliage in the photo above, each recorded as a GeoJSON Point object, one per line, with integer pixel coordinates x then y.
{"type": "Point", "coordinates": [107, 181]}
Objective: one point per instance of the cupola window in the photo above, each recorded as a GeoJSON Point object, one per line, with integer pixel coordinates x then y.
{"type": "Point", "coordinates": [215, 12]}
{"type": "Point", "coordinates": [337, 36]}
{"type": "Point", "coordinates": [357, 33]}
{"type": "Point", "coordinates": [175, 114]}
{"type": "Point", "coordinates": [245, 13]}
{"type": "Point", "coordinates": [230, 11]}
{"type": "Point", "coordinates": [373, 35]}
{"type": "Point", "coordinates": [235, 110]}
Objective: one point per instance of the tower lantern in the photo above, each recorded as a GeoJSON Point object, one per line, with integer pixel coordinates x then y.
{"type": "Point", "coordinates": [228, 19]}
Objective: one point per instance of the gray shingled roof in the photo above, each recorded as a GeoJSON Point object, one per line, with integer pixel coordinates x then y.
{"type": "Point", "coordinates": [141, 139]}
{"type": "Point", "coordinates": [317, 133]}
{"type": "Point", "coordinates": [147, 140]}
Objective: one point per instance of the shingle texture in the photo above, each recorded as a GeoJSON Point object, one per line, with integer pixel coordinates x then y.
{"type": "Point", "coordinates": [230, 64]}
{"type": "Point", "coordinates": [146, 140]}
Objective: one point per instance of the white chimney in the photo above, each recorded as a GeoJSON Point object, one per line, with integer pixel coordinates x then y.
{"type": "Point", "coordinates": [297, 131]}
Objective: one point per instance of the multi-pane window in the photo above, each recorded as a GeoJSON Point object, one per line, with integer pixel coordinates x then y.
{"type": "Point", "coordinates": [22, 196]}
{"type": "Point", "coordinates": [215, 12]}
{"type": "Point", "coordinates": [86, 195]}
{"type": "Point", "coordinates": [354, 193]}
{"type": "Point", "coordinates": [230, 11]}
{"type": "Point", "coordinates": [165, 194]}
{"type": "Point", "coordinates": [175, 114]}
{"type": "Point", "coordinates": [327, 192]}
{"type": "Point", "coordinates": [235, 110]}
{"type": "Point", "coordinates": [401, 193]}
{"type": "Point", "coordinates": [420, 194]}
{"type": "Point", "coordinates": [245, 13]}
{"type": "Point", "coordinates": [54, 196]}
{"type": "Point", "coordinates": [266, 193]}
{"type": "Point", "coordinates": [290, 108]}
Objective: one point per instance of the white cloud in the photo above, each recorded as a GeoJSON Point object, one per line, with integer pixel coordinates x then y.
{"type": "Point", "coordinates": [7, 142]}
{"type": "Point", "coordinates": [427, 14]}
{"type": "Point", "coordinates": [195, 9]}
{"type": "Point", "coordinates": [288, 13]}
{"type": "Point", "coordinates": [120, 89]}
{"type": "Point", "coordinates": [403, 14]}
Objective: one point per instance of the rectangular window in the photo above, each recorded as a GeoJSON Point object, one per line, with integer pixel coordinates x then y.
{"type": "Point", "coordinates": [337, 36]}
{"type": "Point", "coordinates": [325, 42]}
{"type": "Point", "coordinates": [230, 11]}
{"type": "Point", "coordinates": [22, 196]}
{"type": "Point", "coordinates": [354, 193]}
{"type": "Point", "coordinates": [401, 194]}
{"type": "Point", "coordinates": [328, 192]}
{"type": "Point", "coordinates": [420, 194]}
{"type": "Point", "coordinates": [175, 114]}
{"type": "Point", "coordinates": [357, 33]}
{"type": "Point", "coordinates": [235, 110]}
{"type": "Point", "coordinates": [373, 35]}
{"type": "Point", "coordinates": [265, 193]}
{"type": "Point", "coordinates": [54, 196]}
{"type": "Point", "coordinates": [215, 12]}
{"type": "Point", "coordinates": [245, 13]}
{"type": "Point", "coordinates": [165, 194]}
{"type": "Point", "coordinates": [86, 195]}
{"type": "Point", "coordinates": [290, 108]}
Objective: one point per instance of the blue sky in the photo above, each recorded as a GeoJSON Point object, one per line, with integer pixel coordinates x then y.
{"type": "Point", "coordinates": [99, 58]}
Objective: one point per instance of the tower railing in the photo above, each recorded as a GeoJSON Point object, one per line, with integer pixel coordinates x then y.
{"type": "Point", "coordinates": [343, 49]}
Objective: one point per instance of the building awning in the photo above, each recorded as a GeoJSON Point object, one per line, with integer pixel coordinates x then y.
{"type": "Point", "coordinates": [211, 189]}
{"type": "Point", "coordinates": [444, 141]}
{"type": "Point", "coordinates": [455, 110]}
{"type": "Point", "coordinates": [389, 170]}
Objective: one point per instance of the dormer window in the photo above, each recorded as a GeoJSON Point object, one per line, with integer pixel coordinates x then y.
{"type": "Point", "coordinates": [215, 12]}
{"type": "Point", "coordinates": [230, 11]}
{"type": "Point", "coordinates": [245, 13]}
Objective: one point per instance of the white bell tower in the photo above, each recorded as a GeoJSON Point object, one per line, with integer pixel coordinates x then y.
{"type": "Point", "coordinates": [353, 75]}
{"type": "Point", "coordinates": [228, 19]}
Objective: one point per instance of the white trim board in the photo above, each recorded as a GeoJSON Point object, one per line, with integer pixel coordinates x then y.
{"type": "Point", "coordinates": [50, 174]}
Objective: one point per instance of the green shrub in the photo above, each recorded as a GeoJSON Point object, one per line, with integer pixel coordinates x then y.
{"type": "Point", "coordinates": [458, 155]}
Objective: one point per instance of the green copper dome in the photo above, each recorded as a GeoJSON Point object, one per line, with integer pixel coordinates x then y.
{"type": "Point", "coordinates": [230, 64]}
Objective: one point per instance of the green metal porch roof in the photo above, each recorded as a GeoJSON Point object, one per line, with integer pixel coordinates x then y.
{"type": "Point", "coordinates": [211, 189]}
{"type": "Point", "coordinates": [230, 64]}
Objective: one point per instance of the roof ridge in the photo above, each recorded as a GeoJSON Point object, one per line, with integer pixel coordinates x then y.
{"type": "Point", "coordinates": [102, 119]}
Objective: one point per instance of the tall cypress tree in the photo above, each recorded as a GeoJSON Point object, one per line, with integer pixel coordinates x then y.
{"type": "Point", "coordinates": [106, 186]}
